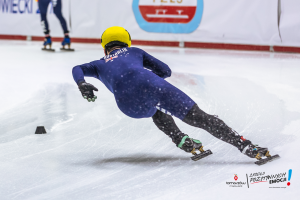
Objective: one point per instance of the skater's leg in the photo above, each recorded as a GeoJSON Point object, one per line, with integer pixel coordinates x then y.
{"type": "Point", "coordinates": [167, 124]}
{"type": "Point", "coordinates": [43, 7]}
{"type": "Point", "coordinates": [215, 126]}
{"type": "Point", "coordinates": [174, 101]}
{"type": "Point", "coordinates": [57, 6]}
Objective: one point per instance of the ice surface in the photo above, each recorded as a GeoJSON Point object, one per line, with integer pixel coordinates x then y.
{"type": "Point", "coordinates": [93, 151]}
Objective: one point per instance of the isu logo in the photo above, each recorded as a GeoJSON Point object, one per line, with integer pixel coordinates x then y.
{"type": "Point", "coordinates": [168, 16]}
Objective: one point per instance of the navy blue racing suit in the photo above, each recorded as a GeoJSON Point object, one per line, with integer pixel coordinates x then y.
{"type": "Point", "coordinates": [137, 81]}
{"type": "Point", "coordinates": [43, 7]}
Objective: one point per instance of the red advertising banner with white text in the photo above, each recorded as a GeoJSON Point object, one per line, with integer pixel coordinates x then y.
{"type": "Point", "coordinates": [168, 11]}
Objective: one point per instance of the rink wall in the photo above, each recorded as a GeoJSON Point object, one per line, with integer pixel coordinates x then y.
{"type": "Point", "coordinates": [269, 25]}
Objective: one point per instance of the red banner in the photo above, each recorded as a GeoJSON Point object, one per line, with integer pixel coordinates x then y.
{"type": "Point", "coordinates": [168, 14]}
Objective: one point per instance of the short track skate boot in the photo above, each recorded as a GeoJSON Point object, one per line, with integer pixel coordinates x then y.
{"type": "Point", "coordinates": [47, 42]}
{"type": "Point", "coordinates": [254, 151]}
{"type": "Point", "coordinates": [66, 42]}
{"type": "Point", "coordinates": [190, 145]}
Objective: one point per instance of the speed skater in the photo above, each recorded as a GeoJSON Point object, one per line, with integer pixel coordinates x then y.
{"type": "Point", "coordinates": [57, 7]}
{"type": "Point", "coordinates": [138, 83]}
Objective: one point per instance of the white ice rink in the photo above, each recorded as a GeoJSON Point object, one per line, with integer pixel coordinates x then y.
{"type": "Point", "coordinates": [93, 151]}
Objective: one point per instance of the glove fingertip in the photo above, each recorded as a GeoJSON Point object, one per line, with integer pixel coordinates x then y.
{"type": "Point", "coordinates": [95, 89]}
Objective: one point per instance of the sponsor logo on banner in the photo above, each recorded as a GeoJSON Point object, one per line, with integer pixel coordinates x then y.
{"type": "Point", "coordinates": [168, 16]}
{"type": "Point", "coordinates": [236, 184]}
{"type": "Point", "coordinates": [21, 7]}
{"type": "Point", "coordinates": [236, 177]}
{"type": "Point", "coordinates": [258, 179]}
{"type": "Point", "coordinates": [261, 177]}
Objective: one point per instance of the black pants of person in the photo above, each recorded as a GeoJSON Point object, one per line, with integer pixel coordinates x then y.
{"type": "Point", "coordinates": [198, 118]}
{"type": "Point", "coordinates": [57, 6]}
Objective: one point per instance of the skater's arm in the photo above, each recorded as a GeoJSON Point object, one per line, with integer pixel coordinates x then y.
{"type": "Point", "coordinates": [88, 69]}
{"type": "Point", "coordinates": [156, 66]}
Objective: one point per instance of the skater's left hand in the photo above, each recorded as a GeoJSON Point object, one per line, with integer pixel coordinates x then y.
{"type": "Point", "coordinates": [87, 91]}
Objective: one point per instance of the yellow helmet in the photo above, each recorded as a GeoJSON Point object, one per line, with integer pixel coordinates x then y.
{"type": "Point", "coordinates": [115, 33]}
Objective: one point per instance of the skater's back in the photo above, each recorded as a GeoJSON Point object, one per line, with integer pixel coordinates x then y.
{"type": "Point", "coordinates": [125, 69]}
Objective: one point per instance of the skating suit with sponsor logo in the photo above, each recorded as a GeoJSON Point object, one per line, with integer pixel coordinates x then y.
{"type": "Point", "coordinates": [137, 81]}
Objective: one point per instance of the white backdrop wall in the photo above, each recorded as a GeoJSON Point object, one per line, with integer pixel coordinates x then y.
{"type": "Point", "coordinates": [21, 17]}
{"type": "Point", "coordinates": [290, 22]}
{"type": "Point", "coordinates": [222, 21]}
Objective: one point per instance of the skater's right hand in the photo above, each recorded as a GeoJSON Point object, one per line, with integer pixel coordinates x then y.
{"type": "Point", "coordinates": [87, 91]}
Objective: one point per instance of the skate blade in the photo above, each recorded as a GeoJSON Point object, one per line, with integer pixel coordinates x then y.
{"type": "Point", "coordinates": [201, 155]}
{"type": "Point", "coordinates": [50, 50]}
{"type": "Point", "coordinates": [64, 49]}
{"type": "Point", "coordinates": [268, 159]}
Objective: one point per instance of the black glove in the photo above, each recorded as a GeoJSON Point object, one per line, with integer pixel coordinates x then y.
{"type": "Point", "coordinates": [86, 90]}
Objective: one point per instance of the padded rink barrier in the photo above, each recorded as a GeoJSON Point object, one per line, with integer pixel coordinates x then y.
{"type": "Point", "coordinates": [248, 25]}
